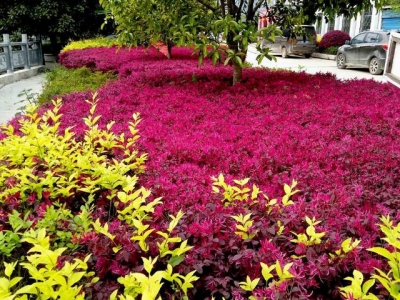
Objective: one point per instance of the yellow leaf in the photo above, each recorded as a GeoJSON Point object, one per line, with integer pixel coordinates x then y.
{"type": "Point", "coordinates": [215, 189]}
{"type": "Point", "coordinates": [9, 268]}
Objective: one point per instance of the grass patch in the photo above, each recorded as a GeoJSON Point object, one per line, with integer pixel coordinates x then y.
{"type": "Point", "coordinates": [61, 81]}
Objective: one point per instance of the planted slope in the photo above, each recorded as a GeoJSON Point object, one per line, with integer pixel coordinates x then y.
{"type": "Point", "coordinates": [339, 140]}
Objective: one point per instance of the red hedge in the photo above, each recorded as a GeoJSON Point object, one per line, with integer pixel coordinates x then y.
{"type": "Point", "coordinates": [339, 139]}
{"type": "Point", "coordinates": [334, 38]}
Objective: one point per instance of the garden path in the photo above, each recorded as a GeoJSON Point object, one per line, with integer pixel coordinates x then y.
{"type": "Point", "coordinates": [9, 95]}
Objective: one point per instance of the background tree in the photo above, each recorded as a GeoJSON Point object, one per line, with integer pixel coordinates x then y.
{"type": "Point", "coordinates": [59, 20]}
{"type": "Point", "coordinates": [151, 22]}
{"type": "Point", "coordinates": [210, 25]}
{"type": "Point", "coordinates": [395, 4]}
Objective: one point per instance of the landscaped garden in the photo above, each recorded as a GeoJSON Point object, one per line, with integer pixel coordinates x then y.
{"type": "Point", "coordinates": [171, 183]}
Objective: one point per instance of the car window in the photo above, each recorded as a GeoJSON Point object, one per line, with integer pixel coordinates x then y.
{"type": "Point", "coordinates": [358, 39]}
{"type": "Point", "coordinates": [308, 33]}
{"type": "Point", "coordinates": [372, 38]}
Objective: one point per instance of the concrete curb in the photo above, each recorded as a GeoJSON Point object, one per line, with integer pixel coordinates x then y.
{"type": "Point", "coordinates": [19, 75]}
{"type": "Point", "coordinates": [324, 56]}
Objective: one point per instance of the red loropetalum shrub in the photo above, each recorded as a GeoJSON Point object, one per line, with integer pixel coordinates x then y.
{"type": "Point", "coordinates": [338, 139]}
{"type": "Point", "coordinates": [333, 38]}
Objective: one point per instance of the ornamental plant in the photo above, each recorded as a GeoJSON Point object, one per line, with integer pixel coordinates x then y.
{"type": "Point", "coordinates": [333, 38]}
{"type": "Point", "coordinates": [66, 196]}
{"type": "Point", "coordinates": [336, 139]}
{"type": "Point", "coordinates": [99, 42]}
{"type": "Point", "coordinates": [389, 277]}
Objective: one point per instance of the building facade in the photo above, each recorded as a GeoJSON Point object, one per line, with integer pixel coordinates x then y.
{"type": "Point", "coordinates": [368, 20]}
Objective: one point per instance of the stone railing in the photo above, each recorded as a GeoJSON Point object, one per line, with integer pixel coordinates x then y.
{"type": "Point", "coordinates": [19, 55]}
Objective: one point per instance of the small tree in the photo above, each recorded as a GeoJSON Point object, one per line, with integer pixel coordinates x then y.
{"type": "Point", "coordinates": [210, 24]}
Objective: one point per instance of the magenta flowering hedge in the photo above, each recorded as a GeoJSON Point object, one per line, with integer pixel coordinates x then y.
{"type": "Point", "coordinates": [334, 38]}
{"type": "Point", "coordinates": [339, 140]}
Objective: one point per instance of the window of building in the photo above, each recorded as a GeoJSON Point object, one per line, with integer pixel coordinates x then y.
{"type": "Point", "coordinates": [346, 24]}
{"type": "Point", "coordinates": [366, 19]}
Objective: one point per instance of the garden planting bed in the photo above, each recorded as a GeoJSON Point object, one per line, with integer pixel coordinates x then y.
{"type": "Point", "coordinates": [338, 139]}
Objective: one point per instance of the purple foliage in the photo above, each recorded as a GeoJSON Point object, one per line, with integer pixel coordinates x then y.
{"type": "Point", "coordinates": [339, 140]}
{"type": "Point", "coordinates": [334, 38]}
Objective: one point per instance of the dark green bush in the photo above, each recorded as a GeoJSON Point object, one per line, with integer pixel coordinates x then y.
{"type": "Point", "coordinates": [331, 50]}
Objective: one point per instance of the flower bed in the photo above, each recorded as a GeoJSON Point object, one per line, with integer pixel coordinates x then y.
{"type": "Point", "coordinates": [339, 140]}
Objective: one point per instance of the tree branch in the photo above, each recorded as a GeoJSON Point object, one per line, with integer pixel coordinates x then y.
{"type": "Point", "coordinates": [239, 12]}
{"type": "Point", "coordinates": [207, 5]}
{"type": "Point", "coordinates": [230, 7]}
{"type": "Point", "coordinates": [250, 10]}
{"type": "Point", "coordinates": [223, 8]}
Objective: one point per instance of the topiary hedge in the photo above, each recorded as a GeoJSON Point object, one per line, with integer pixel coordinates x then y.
{"type": "Point", "coordinates": [333, 38]}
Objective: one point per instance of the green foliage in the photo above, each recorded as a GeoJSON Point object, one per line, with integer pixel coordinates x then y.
{"type": "Point", "coordinates": [148, 287]}
{"type": "Point", "coordinates": [271, 278]}
{"type": "Point", "coordinates": [240, 192]}
{"type": "Point", "coordinates": [61, 81]}
{"type": "Point", "coordinates": [50, 280]}
{"type": "Point", "coordinates": [207, 23]}
{"type": "Point", "coordinates": [357, 290]}
{"type": "Point", "coordinates": [389, 280]}
{"type": "Point", "coordinates": [61, 158]}
{"type": "Point", "coordinates": [331, 50]}
{"type": "Point", "coordinates": [38, 164]}
{"type": "Point", "coordinates": [243, 226]}
{"type": "Point", "coordinates": [311, 237]}
{"type": "Point", "coordinates": [91, 43]}
{"type": "Point", "coordinates": [58, 20]}
{"type": "Point", "coordinates": [347, 246]}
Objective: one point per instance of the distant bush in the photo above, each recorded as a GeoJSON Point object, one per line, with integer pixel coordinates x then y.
{"type": "Point", "coordinates": [333, 38]}
{"type": "Point", "coordinates": [61, 81]}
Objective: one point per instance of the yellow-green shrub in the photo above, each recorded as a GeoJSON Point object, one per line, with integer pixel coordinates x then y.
{"type": "Point", "coordinates": [91, 43]}
{"type": "Point", "coordinates": [389, 280]}
{"type": "Point", "coordinates": [44, 174]}
{"type": "Point", "coordinates": [50, 280]}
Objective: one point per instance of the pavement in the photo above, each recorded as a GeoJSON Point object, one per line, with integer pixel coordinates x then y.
{"type": "Point", "coordinates": [9, 93]}
{"type": "Point", "coordinates": [312, 66]}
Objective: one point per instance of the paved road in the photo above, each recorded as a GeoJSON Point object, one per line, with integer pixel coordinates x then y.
{"type": "Point", "coordinates": [312, 66]}
{"type": "Point", "coordinates": [9, 95]}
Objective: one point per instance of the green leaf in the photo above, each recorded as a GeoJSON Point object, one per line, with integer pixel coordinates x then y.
{"type": "Point", "coordinates": [176, 260]}
{"type": "Point", "coordinates": [382, 252]}
{"type": "Point", "coordinates": [367, 285]}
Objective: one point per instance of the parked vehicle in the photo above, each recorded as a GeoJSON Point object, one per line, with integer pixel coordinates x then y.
{"type": "Point", "coordinates": [365, 50]}
{"type": "Point", "coordinates": [290, 43]}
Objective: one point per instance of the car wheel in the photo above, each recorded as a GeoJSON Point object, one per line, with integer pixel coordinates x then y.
{"type": "Point", "coordinates": [284, 52]}
{"type": "Point", "coordinates": [307, 55]}
{"type": "Point", "coordinates": [374, 67]}
{"type": "Point", "coordinates": [341, 61]}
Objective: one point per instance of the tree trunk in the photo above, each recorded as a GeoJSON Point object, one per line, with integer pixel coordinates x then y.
{"type": "Point", "coordinates": [237, 73]}
{"type": "Point", "coordinates": [169, 48]}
